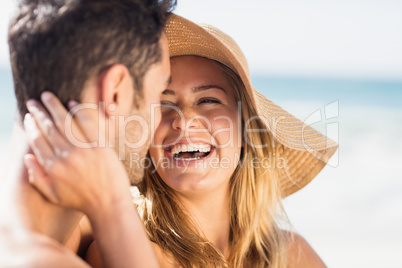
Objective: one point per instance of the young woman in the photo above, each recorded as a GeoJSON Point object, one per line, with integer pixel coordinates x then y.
{"type": "Point", "coordinates": [223, 157]}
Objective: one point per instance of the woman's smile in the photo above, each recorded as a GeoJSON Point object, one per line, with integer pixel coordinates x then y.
{"type": "Point", "coordinates": [189, 151]}
{"type": "Point", "coordinates": [187, 154]}
{"type": "Point", "coordinates": [199, 127]}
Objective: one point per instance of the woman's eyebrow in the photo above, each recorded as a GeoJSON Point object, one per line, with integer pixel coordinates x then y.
{"type": "Point", "coordinates": [196, 89]}
{"type": "Point", "coordinates": [206, 87]}
{"type": "Point", "coordinates": [168, 92]}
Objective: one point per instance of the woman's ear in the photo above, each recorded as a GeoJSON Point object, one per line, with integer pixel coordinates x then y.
{"type": "Point", "coordinates": [117, 90]}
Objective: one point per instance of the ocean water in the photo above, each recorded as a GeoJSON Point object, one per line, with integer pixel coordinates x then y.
{"type": "Point", "coordinates": [351, 212]}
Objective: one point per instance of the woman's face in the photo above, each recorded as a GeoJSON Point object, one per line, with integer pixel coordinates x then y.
{"type": "Point", "coordinates": [198, 142]}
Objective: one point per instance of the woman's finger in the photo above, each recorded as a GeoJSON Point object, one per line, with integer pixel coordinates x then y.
{"type": "Point", "coordinates": [57, 142]}
{"type": "Point", "coordinates": [56, 109]}
{"type": "Point", "coordinates": [90, 119]}
{"type": "Point", "coordinates": [62, 118]}
{"type": "Point", "coordinates": [38, 142]}
{"type": "Point", "coordinates": [38, 178]}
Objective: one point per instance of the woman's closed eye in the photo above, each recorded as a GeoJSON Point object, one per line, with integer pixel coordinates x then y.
{"type": "Point", "coordinates": [208, 100]}
{"type": "Point", "coordinates": [167, 104]}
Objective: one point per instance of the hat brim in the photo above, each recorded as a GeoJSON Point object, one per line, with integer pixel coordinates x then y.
{"type": "Point", "coordinates": [306, 150]}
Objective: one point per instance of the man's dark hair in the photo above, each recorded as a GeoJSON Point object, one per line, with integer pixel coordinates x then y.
{"type": "Point", "coordinates": [57, 45]}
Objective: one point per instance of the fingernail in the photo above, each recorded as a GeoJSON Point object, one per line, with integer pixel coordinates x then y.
{"type": "Point", "coordinates": [71, 104]}
{"type": "Point", "coordinates": [28, 163]}
{"type": "Point", "coordinates": [29, 119]}
{"type": "Point", "coordinates": [29, 123]}
{"type": "Point", "coordinates": [30, 104]}
{"type": "Point", "coordinates": [46, 96]}
{"type": "Point", "coordinates": [27, 116]}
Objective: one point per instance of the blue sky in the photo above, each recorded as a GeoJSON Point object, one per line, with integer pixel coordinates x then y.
{"type": "Point", "coordinates": [325, 38]}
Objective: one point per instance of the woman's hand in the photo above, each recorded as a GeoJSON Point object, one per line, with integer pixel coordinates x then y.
{"type": "Point", "coordinates": [91, 180]}
{"type": "Point", "coordinates": [85, 179]}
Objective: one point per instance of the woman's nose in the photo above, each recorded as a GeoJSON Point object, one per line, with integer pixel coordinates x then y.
{"type": "Point", "coordinates": [187, 119]}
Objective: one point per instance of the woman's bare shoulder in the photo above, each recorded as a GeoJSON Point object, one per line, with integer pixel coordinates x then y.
{"type": "Point", "coordinates": [300, 253]}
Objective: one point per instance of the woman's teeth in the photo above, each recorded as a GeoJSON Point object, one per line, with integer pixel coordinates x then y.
{"type": "Point", "coordinates": [190, 151]}
{"type": "Point", "coordinates": [181, 148]}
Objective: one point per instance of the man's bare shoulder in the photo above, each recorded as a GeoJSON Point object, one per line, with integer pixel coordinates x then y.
{"type": "Point", "coordinates": [34, 250]}
{"type": "Point", "coordinates": [300, 253]}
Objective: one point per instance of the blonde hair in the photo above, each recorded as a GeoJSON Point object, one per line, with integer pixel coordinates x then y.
{"type": "Point", "coordinates": [255, 206]}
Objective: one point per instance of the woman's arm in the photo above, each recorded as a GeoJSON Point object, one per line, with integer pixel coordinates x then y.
{"type": "Point", "coordinates": [120, 234]}
{"type": "Point", "coordinates": [90, 180]}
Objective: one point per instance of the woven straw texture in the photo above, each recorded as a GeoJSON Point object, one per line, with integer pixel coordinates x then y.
{"type": "Point", "coordinates": [306, 150]}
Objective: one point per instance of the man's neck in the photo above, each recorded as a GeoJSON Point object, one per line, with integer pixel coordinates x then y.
{"type": "Point", "coordinates": [24, 208]}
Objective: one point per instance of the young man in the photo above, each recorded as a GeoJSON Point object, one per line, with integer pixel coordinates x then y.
{"type": "Point", "coordinates": [111, 54]}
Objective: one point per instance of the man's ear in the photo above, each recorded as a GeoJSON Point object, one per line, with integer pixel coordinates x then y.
{"type": "Point", "coordinates": [117, 90]}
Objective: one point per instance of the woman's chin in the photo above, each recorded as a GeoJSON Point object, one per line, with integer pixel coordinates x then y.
{"type": "Point", "coordinates": [191, 182]}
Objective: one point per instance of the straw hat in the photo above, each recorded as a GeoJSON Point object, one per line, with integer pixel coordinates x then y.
{"type": "Point", "coordinates": [307, 151]}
